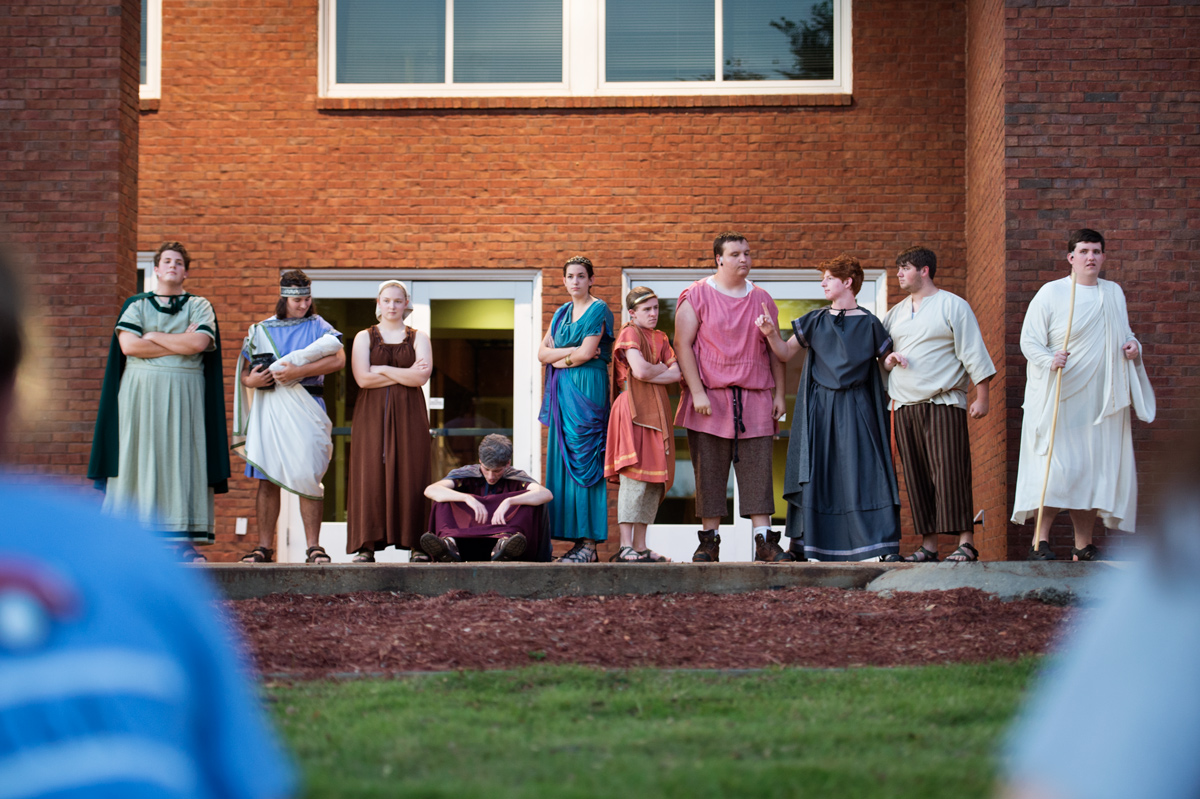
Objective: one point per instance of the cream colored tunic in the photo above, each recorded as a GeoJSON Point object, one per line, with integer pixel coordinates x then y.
{"type": "Point", "coordinates": [1092, 464]}
{"type": "Point", "coordinates": [944, 346]}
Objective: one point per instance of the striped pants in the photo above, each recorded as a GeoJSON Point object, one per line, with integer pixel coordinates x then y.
{"type": "Point", "coordinates": [936, 455]}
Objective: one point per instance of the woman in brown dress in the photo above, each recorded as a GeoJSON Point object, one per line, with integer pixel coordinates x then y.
{"type": "Point", "coordinates": [389, 438]}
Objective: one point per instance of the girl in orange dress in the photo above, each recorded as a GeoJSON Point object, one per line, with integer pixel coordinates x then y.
{"type": "Point", "coordinates": [641, 431]}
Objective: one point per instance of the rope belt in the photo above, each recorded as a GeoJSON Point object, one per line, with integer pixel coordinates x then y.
{"type": "Point", "coordinates": [738, 426]}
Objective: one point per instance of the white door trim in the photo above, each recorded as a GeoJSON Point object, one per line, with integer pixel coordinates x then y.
{"type": "Point", "coordinates": [525, 289]}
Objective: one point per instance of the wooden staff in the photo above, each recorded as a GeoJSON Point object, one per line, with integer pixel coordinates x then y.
{"type": "Point", "coordinates": [1054, 419]}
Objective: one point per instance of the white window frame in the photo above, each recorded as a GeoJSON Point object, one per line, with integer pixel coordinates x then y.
{"type": "Point", "coordinates": [145, 264]}
{"type": "Point", "coordinates": [583, 64]}
{"type": "Point", "coordinates": [152, 88]}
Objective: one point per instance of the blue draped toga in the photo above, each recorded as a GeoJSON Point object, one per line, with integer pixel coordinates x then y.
{"type": "Point", "coordinates": [575, 409]}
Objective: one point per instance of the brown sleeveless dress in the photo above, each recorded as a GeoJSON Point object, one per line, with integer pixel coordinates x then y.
{"type": "Point", "coordinates": [389, 457]}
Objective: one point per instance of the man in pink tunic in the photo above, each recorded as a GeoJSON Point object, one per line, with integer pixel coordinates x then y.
{"type": "Point", "coordinates": [732, 396]}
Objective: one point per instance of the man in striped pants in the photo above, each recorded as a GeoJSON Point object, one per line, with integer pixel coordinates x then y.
{"type": "Point", "coordinates": [937, 346]}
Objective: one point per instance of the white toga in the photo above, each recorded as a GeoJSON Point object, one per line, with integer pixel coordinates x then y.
{"type": "Point", "coordinates": [1092, 465]}
{"type": "Point", "coordinates": [283, 433]}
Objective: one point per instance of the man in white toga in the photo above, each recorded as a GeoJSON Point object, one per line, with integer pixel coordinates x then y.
{"type": "Point", "coordinates": [1091, 471]}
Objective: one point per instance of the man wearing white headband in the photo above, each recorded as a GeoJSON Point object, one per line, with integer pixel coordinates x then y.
{"type": "Point", "coordinates": [283, 431]}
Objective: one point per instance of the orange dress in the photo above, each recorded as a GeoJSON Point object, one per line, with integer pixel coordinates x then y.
{"type": "Point", "coordinates": [641, 430]}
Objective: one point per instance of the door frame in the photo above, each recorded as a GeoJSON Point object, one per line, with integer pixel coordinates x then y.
{"type": "Point", "coordinates": [425, 285]}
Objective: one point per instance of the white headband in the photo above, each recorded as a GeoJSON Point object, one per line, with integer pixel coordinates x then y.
{"type": "Point", "coordinates": [386, 285]}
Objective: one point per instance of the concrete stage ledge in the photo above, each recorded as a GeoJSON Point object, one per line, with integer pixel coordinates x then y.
{"type": "Point", "coordinates": [1057, 582]}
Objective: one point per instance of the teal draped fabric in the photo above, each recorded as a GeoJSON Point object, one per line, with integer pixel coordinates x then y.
{"type": "Point", "coordinates": [575, 409]}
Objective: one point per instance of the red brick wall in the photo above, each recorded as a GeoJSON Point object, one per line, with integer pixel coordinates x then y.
{"type": "Point", "coordinates": [243, 164]}
{"type": "Point", "coordinates": [68, 205]}
{"type": "Point", "coordinates": [986, 277]}
{"type": "Point", "coordinates": [1102, 118]}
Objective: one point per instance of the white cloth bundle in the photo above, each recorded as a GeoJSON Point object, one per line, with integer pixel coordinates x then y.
{"type": "Point", "coordinates": [288, 436]}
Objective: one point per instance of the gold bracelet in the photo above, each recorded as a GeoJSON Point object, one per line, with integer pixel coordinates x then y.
{"type": "Point", "coordinates": [568, 360]}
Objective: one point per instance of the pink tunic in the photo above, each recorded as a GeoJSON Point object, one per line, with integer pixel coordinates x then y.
{"type": "Point", "coordinates": [730, 351]}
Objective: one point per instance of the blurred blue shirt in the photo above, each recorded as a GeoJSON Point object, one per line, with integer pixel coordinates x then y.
{"type": "Point", "coordinates": [117, 675]}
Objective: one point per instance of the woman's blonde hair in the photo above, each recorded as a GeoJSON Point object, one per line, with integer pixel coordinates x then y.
{"type": "Point", "coordinates": [387, 284]}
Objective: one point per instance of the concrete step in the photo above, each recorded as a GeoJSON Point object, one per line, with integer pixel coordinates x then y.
{"type": "Point", "coordinates": [1059, 582]}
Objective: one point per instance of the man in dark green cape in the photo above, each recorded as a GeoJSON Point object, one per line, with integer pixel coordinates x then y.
{"type": "Point", "coordinates": [137, 338]}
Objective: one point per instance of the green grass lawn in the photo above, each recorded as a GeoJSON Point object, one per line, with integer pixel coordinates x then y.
{"type": "Point", "coordinates": [571, 731]}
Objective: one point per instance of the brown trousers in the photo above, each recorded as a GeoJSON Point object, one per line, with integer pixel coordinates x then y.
{"type": "Point", "coordinates": [936, 454]}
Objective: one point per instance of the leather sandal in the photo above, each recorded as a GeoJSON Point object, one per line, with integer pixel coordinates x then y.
{"type": "Point", "coordinates": [1043, 551]}
{"type": "Point", "coordinates": [509, 547]}
{"type": "Point", "coordinates": [922, 555]}
{"type": "Point", "coordinates": [580, 553]}
{"type": "Point", "coordinates": [1087, 553]}
{"type": "Point", "coordinates": [317, 555]}
{"type": "Point", "coordinates": [443, 550]}
{"type": "Point", "coordinates": [260, 555]}
{"type": "Point", "coordinates": [966, 553]}
{"type": "Point", "coordinates": [629, 555]}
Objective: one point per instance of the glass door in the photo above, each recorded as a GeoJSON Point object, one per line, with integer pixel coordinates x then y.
{"type": "Point", "coordinates": [479, 384]}
{"type": "Point", "coordinates": [481, 327]}
{"type": "Point", "coordinates": [796, 292]}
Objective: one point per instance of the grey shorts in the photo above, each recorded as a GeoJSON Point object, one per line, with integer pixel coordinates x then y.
{"type": "Point", "coordinates": [637, 502]}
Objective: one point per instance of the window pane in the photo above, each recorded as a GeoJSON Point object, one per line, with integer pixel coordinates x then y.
{"type": "Point", "coordinates": [145, 34]}
{"type": "Point", "coordinates": [391, 41]}
{"type": "Point", "coordinates": [508, 41]}
{"type": "Point", "coordinates": [660, 40]}
{"type": "Point", "coordinates": [778, 40]}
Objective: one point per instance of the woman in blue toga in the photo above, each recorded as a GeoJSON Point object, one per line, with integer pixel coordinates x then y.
{"type": "Point", "coordinates": [576, 353]}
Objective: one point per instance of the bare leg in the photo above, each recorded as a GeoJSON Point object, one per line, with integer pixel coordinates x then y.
{"type": "Point", "coordinates": [710, 523]}
{"type": "Point", "coordinates": [1048, 515]}
{"type": "Point", "coordinates": [266, 508]}
{"type": "Point", "coordinates": [627, 533]}
{"type": "Point", "coordinates": [1083, 521]}
{"type": "Point", "coordinates": [639, 536]}
{"type": "Point", "coordinates": [761, 520]}
{"type": "Point", "coordinates": [310, 514]}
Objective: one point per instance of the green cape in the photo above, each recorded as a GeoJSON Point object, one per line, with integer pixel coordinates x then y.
{"type": "Point", "coordinates": [106, 440]}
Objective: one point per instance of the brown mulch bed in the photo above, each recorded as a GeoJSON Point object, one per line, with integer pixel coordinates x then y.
{"type": "Point", "coordinates": [370, 633]}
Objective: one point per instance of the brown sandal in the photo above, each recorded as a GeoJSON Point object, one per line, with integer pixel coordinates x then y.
{"type": "Point", "coordinates": [965, 553]}
{"type": "Point", "coordinates": [317, 555]}
{"type": "Point", "coordinates": [260, 555]}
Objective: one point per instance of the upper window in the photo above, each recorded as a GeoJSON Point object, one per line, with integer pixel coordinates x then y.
{"type": "Point", "coordinates": [151, 87]}
{"type": "Point", "coordinates": [426, 48]}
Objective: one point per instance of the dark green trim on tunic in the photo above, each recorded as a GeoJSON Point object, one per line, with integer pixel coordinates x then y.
{"type": "Point", "coordinates": [106, 439]}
